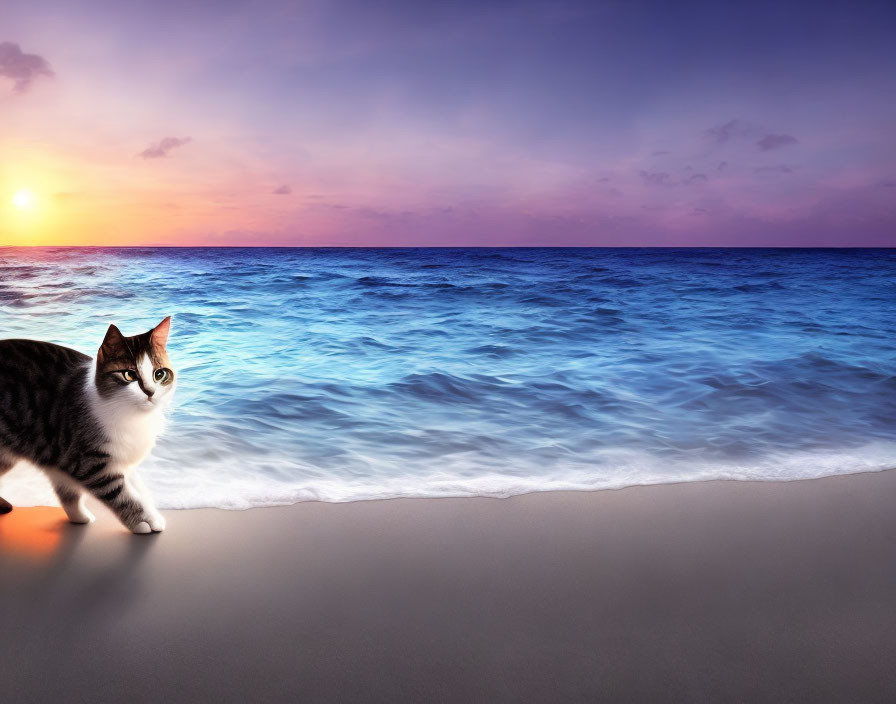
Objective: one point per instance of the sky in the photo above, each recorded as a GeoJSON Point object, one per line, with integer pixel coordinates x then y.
{"type": "Point", "coordinates": [484, 123]}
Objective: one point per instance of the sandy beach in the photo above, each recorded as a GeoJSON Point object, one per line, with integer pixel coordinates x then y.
{"type": "Point", "coordinates": [703, 592]}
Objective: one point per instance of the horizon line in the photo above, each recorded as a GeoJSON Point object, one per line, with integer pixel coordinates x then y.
{"type": "Point", "coordinates": [537, 246]}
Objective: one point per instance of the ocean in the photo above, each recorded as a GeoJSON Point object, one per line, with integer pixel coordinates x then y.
{"type": "Point", "coordinates": [347, 374]}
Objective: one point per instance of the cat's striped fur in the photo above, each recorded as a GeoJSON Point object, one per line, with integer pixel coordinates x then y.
{"type": "Point", "coordinates": [87, 422]}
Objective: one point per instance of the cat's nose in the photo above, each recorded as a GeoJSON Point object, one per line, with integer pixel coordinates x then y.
{"type": "Point", "coordinates": [149, 392]}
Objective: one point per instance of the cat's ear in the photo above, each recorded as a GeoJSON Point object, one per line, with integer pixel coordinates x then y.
{"type": "Point", "coordinates": [159, 334]}
{"type": "Point", "coordinates": [113, 341]}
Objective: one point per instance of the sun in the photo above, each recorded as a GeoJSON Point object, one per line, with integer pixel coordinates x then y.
{"type": "Point", "coordinates": [24, 199]}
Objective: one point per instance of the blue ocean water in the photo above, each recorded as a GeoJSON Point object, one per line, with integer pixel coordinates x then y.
{"type": "Point", "coordinates": [343, 374]}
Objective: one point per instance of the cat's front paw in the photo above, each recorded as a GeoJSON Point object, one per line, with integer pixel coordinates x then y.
{"type": "Point", "coordinates": [80, 516]}
{"type": "Point", "coordinates": [154, 523]}
{"type": "Point", "coordinates": [157, 522]}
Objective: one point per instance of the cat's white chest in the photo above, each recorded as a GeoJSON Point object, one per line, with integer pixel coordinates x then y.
{"type": "Point", "coordinates": [132, 435]}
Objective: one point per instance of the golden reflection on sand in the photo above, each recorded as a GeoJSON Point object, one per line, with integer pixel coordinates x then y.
{"type": "Point", "coordinates": [33, 532]}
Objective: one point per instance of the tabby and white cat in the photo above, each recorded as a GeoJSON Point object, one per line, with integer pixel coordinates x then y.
{"type": "Point", "coordinates": [87, 423]}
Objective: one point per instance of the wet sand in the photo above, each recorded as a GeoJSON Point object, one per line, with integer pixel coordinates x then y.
{"type": "Point", "coordinates": [703, 592]}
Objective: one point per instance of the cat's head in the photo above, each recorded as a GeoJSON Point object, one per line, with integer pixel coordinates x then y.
{"type": "Point", "coordinates": [136, 369]}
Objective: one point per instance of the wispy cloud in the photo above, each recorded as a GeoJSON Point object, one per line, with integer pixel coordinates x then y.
{"type": "Point", "coordinates": [161, 148]}
{"type": "Point", "coordinates": [738, 129]}
{"type": "Point", "coordinates": [780, 169]}
{"type": "Point", "coordinates": [656, 178]}
{"type": "Point", "coordinates": [727, 131]}
{"type": "Point", "coordinates": [774, 141]}
{"type": "Point", "coordinates": [283, 190]}
{"type": "Point", "coordinates": [22, 68]}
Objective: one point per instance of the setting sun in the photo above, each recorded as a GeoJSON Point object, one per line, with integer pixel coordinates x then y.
{"type": "Point", "coordinates": [23, 199]}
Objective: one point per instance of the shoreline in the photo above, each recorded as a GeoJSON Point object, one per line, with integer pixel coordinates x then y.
{"type": "Point", "coordinates": [16, 474]}
{"type": "Point", "coordinates": [718, 590]}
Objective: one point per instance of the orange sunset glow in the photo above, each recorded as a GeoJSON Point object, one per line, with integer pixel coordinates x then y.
{"type": "Point", "coordinates": [286, 124]}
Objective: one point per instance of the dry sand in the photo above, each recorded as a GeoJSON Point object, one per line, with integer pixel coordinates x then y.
{"type": "Point", "coordinates": [705, 592]}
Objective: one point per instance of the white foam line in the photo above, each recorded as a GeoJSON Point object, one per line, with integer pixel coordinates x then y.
{"type": "Point", "coordinates": [211, 487]}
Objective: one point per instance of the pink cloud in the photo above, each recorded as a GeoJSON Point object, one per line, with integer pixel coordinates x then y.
{"type": "Point", "coordinates": [22, 68]}
{"type": "Point", "coordinates": [161, 148]}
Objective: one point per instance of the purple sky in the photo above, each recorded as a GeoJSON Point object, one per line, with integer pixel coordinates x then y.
{"type": "Point", "coordinates": [450, 123]}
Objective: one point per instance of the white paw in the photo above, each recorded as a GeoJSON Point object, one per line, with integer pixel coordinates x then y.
{"type": "Point", "coordinates": [82, 516]}
{"type": "Point", "coordinates": [157, 522]}
{"type": "Point", "coordinates": [142, 528]}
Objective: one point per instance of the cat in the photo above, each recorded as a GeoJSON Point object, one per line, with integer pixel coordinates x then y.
{"type": "Point", "coordinates": [87, 423]}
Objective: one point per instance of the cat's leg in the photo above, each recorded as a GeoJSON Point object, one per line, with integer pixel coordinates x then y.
{"type": "Point", "coordinates": [71, 496]}
{"type": "Point", "coordinates": [148, 503]}
{"type": "Point", "coordinates": [114, 488]}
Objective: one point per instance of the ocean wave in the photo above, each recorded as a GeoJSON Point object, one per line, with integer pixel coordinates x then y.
{"type": "Point", "coordinates": [350, 374]}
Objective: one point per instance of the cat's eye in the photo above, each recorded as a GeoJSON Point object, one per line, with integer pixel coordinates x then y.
{"type": "Point", "coordinates": [128, 375]}
{"type": "Point", "coordinates": [162, 375]}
